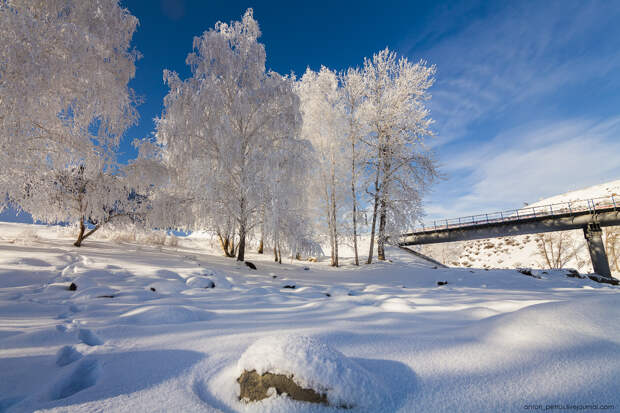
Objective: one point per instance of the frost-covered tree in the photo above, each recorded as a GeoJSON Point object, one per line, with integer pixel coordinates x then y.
{"type": "Point", "coordinates": [286, 218]}
{"type": "Point", "coordinates": [352, 99]}
{"type": "Point", "coordinates": [64, 102]}
{"type": "Point", "coordinates": [395, 111]}
{"type": "Point", "coordinates": [220, 125]}
{"type": "Point", "coordinates": [324, 125]}
{"type": "Point", "coordinates": [84, 194]}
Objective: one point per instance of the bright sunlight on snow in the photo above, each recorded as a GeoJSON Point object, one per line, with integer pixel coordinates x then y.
{"type": "Point", "coordinates": [153, 328]}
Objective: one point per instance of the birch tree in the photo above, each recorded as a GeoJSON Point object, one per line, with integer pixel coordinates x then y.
{"type": "Point", "coordinates": [324, 125]}
{"type": "Point", "coordinates": [352, 96]}
{"type": "Point", "coordinates": [64, 104]}
{"type": "Point", "coordinates": [394, 106]}
{"type": "Point", "coordinates": [219, 125]}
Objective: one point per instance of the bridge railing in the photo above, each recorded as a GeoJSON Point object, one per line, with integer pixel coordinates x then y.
{"type": "Point", "coordinates": [570, 208]}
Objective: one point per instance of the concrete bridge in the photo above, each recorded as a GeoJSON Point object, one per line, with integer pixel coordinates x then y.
{"type": "Point", "coordinates": [589, 215]}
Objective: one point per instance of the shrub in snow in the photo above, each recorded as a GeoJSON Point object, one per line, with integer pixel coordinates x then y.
{"type": "Point", "coordinates": [312, 364]}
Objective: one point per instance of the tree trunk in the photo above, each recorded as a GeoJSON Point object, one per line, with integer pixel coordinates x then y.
{"type": "Point", "coordinates": [357, 262]}
{"type": "Point", "coordinates": [262, 231]}
{"type": "Point", "coordinates": [224, 242]}
{"type": "Point", "coordinates": [333, 212]}
{"type": "Point", "coordinates": [241, 254]}
{"type": "Point", "coordinates": [80, 238]}
{"type": "Point", "coordinates": [279, 254]}
{"type": "Point", "coordinates": [232, 246]}
{"type": "Point", "coordinates": [242, 229]}
{"type": "Point", "coordinates": [330, 224]}
{"type": "Point", "coordinates": [275, 253]}
{"type": "Point", "coordinates": [335, 237]}
{"type": "Point", "coordinates": [374, 219]}
{"type": "Point", "coordinates": [381, 238]}
{"type": "Point", "coordinates": [383, 204]}
{"type": "Point", "coordinates": [354, 197]}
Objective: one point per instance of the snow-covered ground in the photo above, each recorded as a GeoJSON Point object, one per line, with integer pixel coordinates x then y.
{"type": "Point", "coordinates": [522, 250]}
{"type": "Point", "coordinates": [142, 333]}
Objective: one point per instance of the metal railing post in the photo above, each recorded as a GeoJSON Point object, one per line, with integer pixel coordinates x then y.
{"type": "Point", "coordinates": [487, 218]}
{"type": "Point", "coordinates": [534, 211]}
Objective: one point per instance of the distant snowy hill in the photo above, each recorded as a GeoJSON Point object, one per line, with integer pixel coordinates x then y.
{"type": "Point", "coordinates": [523, 250]}
{"type": "Point", "coordinates": [595, 191]}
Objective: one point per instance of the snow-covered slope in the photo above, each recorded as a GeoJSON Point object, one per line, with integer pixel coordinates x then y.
{"type": "Point", "coordinates": [591, 192]}
{"type": "Point", "coordinates": [140, 334]}
{"type": "Point", "coordinates": [524, 251]}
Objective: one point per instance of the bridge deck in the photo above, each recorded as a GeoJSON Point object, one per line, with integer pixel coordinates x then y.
{"type": "Point", "coordinates": [530, 220]}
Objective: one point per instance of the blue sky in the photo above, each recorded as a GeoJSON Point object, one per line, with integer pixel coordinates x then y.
{"type": "Point", "coordinates": [526, 102]}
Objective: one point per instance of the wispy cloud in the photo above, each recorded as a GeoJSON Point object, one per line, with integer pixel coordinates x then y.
{"type": "Point", "coordinates": [527, 164]}
{"type": "Point", "coordinates": [508, 55]}
{"type": "Point", "coordinates": [522, 102]}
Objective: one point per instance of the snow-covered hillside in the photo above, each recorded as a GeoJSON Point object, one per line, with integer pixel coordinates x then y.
{"type": "Point", "coordinates": [162, 328]}
{"type": "Point", "coordinates": [524, 250]}
{"type": "Point", "coordinates": [591, 192]}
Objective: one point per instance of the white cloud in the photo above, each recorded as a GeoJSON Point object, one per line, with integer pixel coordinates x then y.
{"type": "Point", "coordinates": [514, 55]}
{"type": "Point", "coordinates": [509, 84]}
{"type": "Point", "coordinates": [527, 164]}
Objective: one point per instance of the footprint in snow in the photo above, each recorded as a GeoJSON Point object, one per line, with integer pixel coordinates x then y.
{"type": "Point", "coordinates": [88, 337]}
{"type": "Point", "coordinates": [67, 355]}
{"type": "Point", "coordinates": [83, 376]}
{"type": "Point", "coordinates": [72, 310]}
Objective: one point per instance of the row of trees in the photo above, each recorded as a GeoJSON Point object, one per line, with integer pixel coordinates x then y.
{"type": "Point", "coordinates": [239, 150]}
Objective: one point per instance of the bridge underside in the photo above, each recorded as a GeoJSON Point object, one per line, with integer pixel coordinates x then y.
{"type": "Point", "coordinates": [590, 223]}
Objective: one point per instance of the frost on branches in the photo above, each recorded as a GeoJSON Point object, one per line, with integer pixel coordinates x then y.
{"type": "Point", "coordinates": [394, 108]}
{"type": "Point", "coordinates": [64, 104]}
{"type": "Point", "coordinates": [240, 151]}
{"type": "Point", "coordinates": [228, 132]}
{"type": "Point", "coordinates": [367, 127]}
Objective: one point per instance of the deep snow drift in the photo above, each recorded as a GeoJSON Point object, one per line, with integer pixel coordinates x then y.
{"type": "Point", "coordinates": [166, 328]}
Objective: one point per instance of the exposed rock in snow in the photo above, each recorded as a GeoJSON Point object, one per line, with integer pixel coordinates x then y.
{"type": "Point", "coordinates": [256, 387]}
{"type": "Point", "coordinates": [314, 365]}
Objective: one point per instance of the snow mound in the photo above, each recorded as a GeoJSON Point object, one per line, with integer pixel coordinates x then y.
{"type": "Point", "coordinates": [220, 280]}
{"type": "Point", "coordinates": [555, 324]}
{"type": "Point", "coordinates": [33, 262]}
{"type": "Point", "coordinates": [199, 282]}
{"type": "Point", "coordinates": [315, 365]}
{"type": "Point", "coordinates": [164, 314]}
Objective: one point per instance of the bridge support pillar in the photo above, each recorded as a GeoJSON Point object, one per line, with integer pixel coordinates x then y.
{"type": "Point", "coordinates": [594, 237]}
